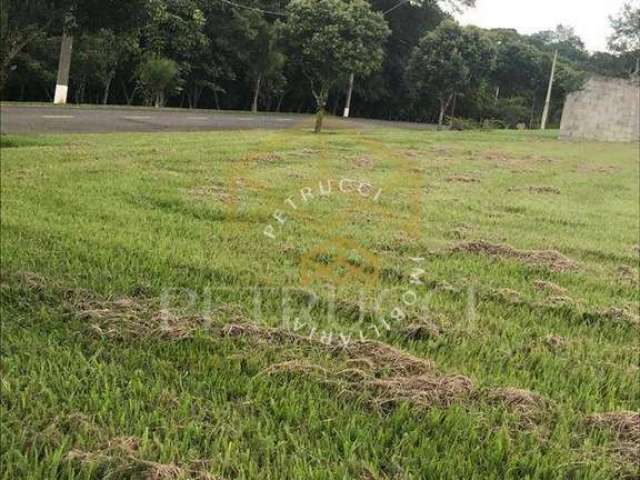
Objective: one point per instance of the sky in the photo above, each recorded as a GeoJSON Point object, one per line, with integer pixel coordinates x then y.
{"type": "Point", "coordinates": [590, 18]}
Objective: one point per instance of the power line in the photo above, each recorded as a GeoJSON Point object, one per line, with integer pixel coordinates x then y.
{"type": "Point", "coordinates": [399, 4]}
{"type": "Point", "coordinates": [283, 14]}
{"type": "Point", "coordinates": [255, 9]}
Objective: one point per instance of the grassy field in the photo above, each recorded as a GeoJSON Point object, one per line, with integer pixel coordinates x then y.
{"type": "Point", "coordinates": [363, 304]}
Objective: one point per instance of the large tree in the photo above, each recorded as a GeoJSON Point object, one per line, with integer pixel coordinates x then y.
{"type": "Point", "coordinates": [330, 39]}
{"type": "Point", "coordinates": [450, 61]}
{"type": "Point", "coordinates": [626, 29]}
{"type": "Point", "coordinates": [22, 23]}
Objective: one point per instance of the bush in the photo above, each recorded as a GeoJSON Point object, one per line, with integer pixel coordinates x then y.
{"type": "Point", "coordinates": [493, 124]}
{"type": "Point", "coordinates": [456, 123]}
{"type": "Point", "coordinates": [157, 76]}
{"type": "Point", "coordinates": [512, 111]}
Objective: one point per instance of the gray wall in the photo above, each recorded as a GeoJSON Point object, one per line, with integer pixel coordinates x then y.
{"type": "Point", "coordinates": [605, 109]}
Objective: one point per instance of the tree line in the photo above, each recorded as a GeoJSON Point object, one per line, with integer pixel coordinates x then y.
{"type": "Point", "coordinates": [409, 59]}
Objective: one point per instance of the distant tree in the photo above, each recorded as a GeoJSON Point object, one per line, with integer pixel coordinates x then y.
{"type": "Point", "coordinates": [330, 39]}
{"type": "Point", "coordinates": [564, 39]}
{"type": "Point", "coordinates": [261, 52]}
{"type": "Point", "coordinates": [450, 61]}
{"type": "Point", "coordinates": [518, 66]}
{"type": "Point", "coordinates": [157, 76]}
{"type": "Point", "coordinates": [626, 29]}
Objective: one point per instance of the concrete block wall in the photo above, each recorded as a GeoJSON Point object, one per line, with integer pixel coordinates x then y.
{"type": "Point", "coordinates": [606, 109]}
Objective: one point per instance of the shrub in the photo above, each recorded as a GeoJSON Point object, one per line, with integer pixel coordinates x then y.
{"type": "Point", "coordinates": [157, 76]}
{"type": "Point", "coordinates": [456, 123]}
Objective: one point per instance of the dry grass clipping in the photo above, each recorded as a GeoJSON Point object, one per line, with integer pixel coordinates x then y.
{"type": "Point", "coordinates": [365, 162]}
{"type": "Point", "coordinates": [214, 191]}
{"type": "Point", "coordinates": [546, 286]}
{"type": "Point", "coordinates": [555, 342]}
{"type": "Point", "coordinates": [121, 454]}
{"type": "Point", "coordinates": [540, 189]}
{"type": "Point", "coordinates": [625, 450]}
{"type": "Point", "coordinates": [127, 318]}
{"type": "Point", "coordinates": [536, 258]}
{"type": "Point", "coordinates": [529, 405]}
{"type": "Point", "coordinates": [462, 179]}
{"type": "Point", "coordinates": [619, 315]}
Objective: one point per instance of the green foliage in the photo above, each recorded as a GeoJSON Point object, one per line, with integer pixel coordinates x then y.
{"type": "Point", "coordinates": [331, 39]}
{"type": "Point", "coordinates": [157, 76]}
{"type": "Point", "coordinates": [449, 61]}
{"type": "Point", "coordinates": [460, 124]}
{"type": "Point", "coordinates": [511, 111]}
{"type": "Point", "coordinates": [626, 27]}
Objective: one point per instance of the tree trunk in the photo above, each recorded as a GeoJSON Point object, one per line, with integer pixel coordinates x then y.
{"type": "Point", "coordinates": [64, 66]}
{"type": "Point", "coordinates": [128, 98]}
{"type": "Point", "coordinates": [319, 119]}
{"type": "Point", "coordinates": [444, 105]}
{"type": "Point", "coordinates": [441, 116]}
{"type": "Point", "coordinates": [347, 105]}
{"type": "Point", "coordinates": [107, 88]}
{"type": "Point", "coordinates": [321, 100]}
{"type": "Point", "coordinates": [256, 94]}
{"type": "Point", "coordinates": [279, 102]}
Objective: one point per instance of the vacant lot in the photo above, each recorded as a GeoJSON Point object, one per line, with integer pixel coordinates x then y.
{"type": "Point", "coordinates": [366, 304]}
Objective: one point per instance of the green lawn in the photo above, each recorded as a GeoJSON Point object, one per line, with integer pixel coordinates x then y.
{"type": "Point", "coordinates": [159, 321]}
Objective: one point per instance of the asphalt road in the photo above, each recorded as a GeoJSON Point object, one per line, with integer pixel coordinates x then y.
{"type": "Point", "coordinates": [42, 119]}
{"type": "Point", "coordinates": [18, 119]}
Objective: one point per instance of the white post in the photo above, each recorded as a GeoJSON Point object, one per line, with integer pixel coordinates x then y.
{"type": "Point", "coordinates": [64, 65]}
{"type": "Point", "coordinates": [545, 111]}
{"type": "Point", "coordinates": [349, 92]}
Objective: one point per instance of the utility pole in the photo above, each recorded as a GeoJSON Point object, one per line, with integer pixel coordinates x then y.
{"type": "Point", "coordinates": [64, 65]}
{"type": "Point", "coordinates": [545, 111]}
{"type": "Point", "coordinates": [349, 92]}
{"type": "Point", "coordinates": [347, 106]}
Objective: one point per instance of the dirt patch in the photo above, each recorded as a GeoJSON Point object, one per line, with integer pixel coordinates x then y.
{"type": "Point", "coordinates": [551, 259]}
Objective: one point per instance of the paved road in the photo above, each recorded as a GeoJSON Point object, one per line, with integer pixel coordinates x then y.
{"type": "Point", "coordinates": [16, 119]}
{"type": "Point", "coordinates": [40, 119]}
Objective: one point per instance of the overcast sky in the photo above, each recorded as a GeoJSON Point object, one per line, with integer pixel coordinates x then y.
{"type": "Point", "coordinates": [590, 18]}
